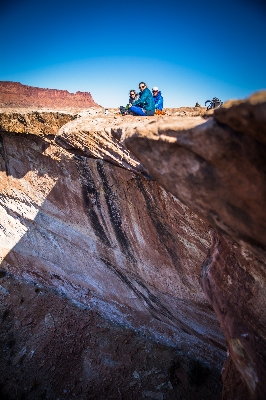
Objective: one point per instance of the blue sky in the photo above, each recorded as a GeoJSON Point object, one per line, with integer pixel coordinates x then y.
{"type": "Point", "coordinates": [192, 50]}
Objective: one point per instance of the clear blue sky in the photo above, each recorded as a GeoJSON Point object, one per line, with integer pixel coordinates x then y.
{"type": "Point", "coordinates": [192, 50]}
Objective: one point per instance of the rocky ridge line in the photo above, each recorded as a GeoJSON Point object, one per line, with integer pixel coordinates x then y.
{"type": "Point", "coordinates": [14, 94]}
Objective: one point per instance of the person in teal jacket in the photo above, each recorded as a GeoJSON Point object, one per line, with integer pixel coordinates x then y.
{"type": "Point", "coordinates": [145, 105]}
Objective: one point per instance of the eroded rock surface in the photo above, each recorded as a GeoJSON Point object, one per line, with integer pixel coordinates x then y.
{"type": "Point", "coordinates": [246, 116]}
{"type": "Point", "coordinates": [234, 282]}
{"type": "Point", "coordinates": [52, 349]}
{"type": "Point", "coordinates": [107, 237]}
{"type": "Point", "coordinates": [218, 172]}
{"type": "Point", "coordinates": [34, 122]}
{"type": "Point", "coordinates": [82, 215]}
{"type": "Point", "coordinates": [218, 169]}
{"type": "Point", "coordinates": [99, 138]}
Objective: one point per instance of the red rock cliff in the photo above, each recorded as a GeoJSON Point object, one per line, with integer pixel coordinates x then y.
{"type": "Point", "coordinates": [18, 95]}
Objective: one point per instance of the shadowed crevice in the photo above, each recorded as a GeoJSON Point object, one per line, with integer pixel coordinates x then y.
{"type": "Point", "coordinates": [114, 214]}
{"type": "Point", "coordinates": [92, 200]}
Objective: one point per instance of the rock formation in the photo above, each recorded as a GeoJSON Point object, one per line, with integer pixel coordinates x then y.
{"type": "Point", "coordinates": [81, 215]}
{"type": "Point", "coordinates": [218, 169]}
{"type": "Point", "coordinates": [219, 172]}
{"type": "Point", "coordinates": [14, 94]}
{"type": "Point", "coordinates": [111, 242]}
{"type": "Point", "coordinates": [116, 230]}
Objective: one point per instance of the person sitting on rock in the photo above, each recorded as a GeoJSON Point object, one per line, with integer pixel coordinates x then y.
{"type": "Point", "coordinates": [132, 97]}
{"type": "Point", "coordinates": [158, 98]}
{"type": "Point", "coordinates": [145, 105]}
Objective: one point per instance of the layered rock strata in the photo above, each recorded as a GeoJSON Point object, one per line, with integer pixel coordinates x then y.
{"type": "Point", "coordinates": [85, 216]}
{"type": "Point", "coordinates": [52, 349]}
{"type": "Point", "coordinates": [104, 233]}
{"type": "Point", "coordinates": [218, 169]}
{"type": "Point", "coordinates": [14, 94]}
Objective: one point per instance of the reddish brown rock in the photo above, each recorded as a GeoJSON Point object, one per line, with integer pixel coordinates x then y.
{"type": "Point", "coordinates": [219, 173]}
{"type": "Point", "coordinates": [34, 122]}
{"type": "Point", "coordinates": [51, 348]}
{"type": "Point", "coordinates": [108, 238]}
{"type": "Point", "coordinates": [14, 94]}
{"type": "Point", "coordinates": [218, 169]}
{"type": "Point", "coordinates": [234, 282]}
{"type": "Point", "coordinates": [123, 246]}
{"type": "Point", "coordinates": [98, 138]}
{"type": "Point", "coordinates": [235, 387]}
{"type": "Point", "coordinates": [247, 116]}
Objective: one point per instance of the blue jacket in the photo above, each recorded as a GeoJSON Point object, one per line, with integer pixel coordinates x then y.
{"type": "Point", "coordinates": [158, 99]}
{"type": "Point", "coordinates": [145, 100]}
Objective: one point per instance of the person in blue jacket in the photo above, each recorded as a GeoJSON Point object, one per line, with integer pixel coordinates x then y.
{"type": "Point", "coordinates": [158, 98]}
{"type": "Point", "coordinates": [145, 105]}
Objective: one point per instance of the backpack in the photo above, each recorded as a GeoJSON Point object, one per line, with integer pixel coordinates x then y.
{"type": "Point", "coordinates": [159, 112]}
{"type": "Point", "coordinates": [214, 103]}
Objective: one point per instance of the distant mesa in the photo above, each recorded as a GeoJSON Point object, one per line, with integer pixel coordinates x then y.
{"type": "Point", "coordinates": [14, 94]}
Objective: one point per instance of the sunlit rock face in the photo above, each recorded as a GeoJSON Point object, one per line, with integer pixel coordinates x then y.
{"type": "Point", "coordinates": [14, 94]}
{"type": "Point", "coordinates": [218, 169]}
{"type": "Point", "coordinates": [95, 226]}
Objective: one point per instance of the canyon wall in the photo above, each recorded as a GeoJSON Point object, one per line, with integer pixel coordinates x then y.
{"type": "Point", "coordinates": [14, 94]}
{"type": "Point", "coordinates": [80, 214]}
{"type": "Point", "coordinates": [165, 236]}
{"type": "Point", "coordinates": [218, 169]}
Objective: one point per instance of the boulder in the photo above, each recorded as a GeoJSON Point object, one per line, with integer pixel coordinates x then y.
{"type": "Point", "coordinates": [247, 116]}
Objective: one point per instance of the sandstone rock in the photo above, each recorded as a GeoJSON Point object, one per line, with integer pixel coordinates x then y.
{"type": "Point", "coordinates": [235, 387]}
{"type": "Point", "coordinates": [85, 357]}
{"type": "Point", "coordinates": [234, 282]}
{"type": "Point", "coordinates": [173, 112]}
{"type": "Point", "coordinates": [153, 395]}
{"type": "Point", "coordinates": [97, 138]}
{"type": "Point", "coordinates": [14, 94]}
{"type": "Point", "coordinates": [107, 237]}
{"type": "Point", "coordinates": [123, 246]}
{"type": "Point", "coordinates": [186, 112]}
{"type": "Point", "coordinates": [219, 173]}
{"type": "Point", "coordinates": [218, 169]}
{"type": "Point", "coordinates": [246, 116]}
{"type": "Point", "coordinates": [34, 122]}
{"type": "Point", "coordinates": [181, 375]}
